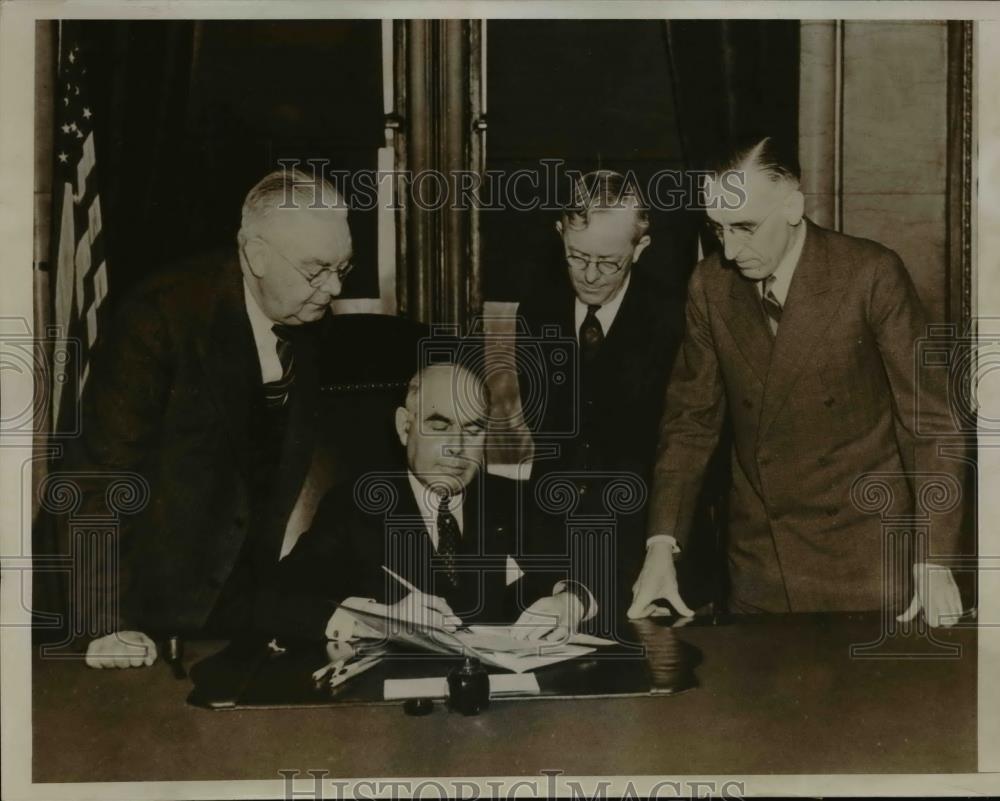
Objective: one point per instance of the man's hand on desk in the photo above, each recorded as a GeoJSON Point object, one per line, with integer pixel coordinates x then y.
{"type": "Point", "coordinates": [121, 650]}
{"type": "Point", "coordinates": [554, 618]}
{"type": "Point", "coordinates": [934, 591]}
{"type": "Point", "coordinates": [658, 579]}
{"type": "Point", "coordinates": [426, 610]}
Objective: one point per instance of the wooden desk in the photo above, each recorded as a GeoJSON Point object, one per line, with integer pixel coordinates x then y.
{"type": "Point", "coordinates": [776, 695]}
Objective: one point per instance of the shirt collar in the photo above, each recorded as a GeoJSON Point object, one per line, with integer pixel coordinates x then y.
{"type": "Point", "coordinates": [786, 267]}
{"type": "Point", "coordinates": [264, 337]}
{"type": "Point", "coordinates": [259, 322]}
{"type": "Point", "coordinates": [607, 313]}
{"type": "Point", "coordinates": [427, 501]}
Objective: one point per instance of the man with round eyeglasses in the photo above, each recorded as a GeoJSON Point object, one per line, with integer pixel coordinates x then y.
{"type": "Point", "coordinates": [597, 420]}
{"type": "Point", "coordinates": [807, 340]}
{"type": "Point", "coordinates": [206, 391]}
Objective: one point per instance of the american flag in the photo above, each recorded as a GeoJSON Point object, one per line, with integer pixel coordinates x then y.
{"type": "Point", "coordinates": [81, 280]}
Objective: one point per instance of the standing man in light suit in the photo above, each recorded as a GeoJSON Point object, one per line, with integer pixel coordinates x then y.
{"type": "Point", "coordinates": [206, 390]}
{"type": "Point", "coordinates": [807, 338]}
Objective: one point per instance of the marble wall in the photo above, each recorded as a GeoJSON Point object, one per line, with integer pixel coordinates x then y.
{"type": "Point", "coordinates": [892, 136]}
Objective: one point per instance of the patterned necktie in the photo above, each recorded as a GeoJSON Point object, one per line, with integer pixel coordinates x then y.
{"type": "Point", "coordinates": [591, 333]}
{"type": "Point", "coordinates": [772, 308]}
{"type": "Point", "coordinates": [448, 535]}
{"type": "Point", "coordinates": [276, 392]}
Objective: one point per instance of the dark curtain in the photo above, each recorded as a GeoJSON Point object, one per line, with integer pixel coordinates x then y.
{"type": "Point", "coordinates": [192, 113]}
{"type": "Point", "coordinates": [733, 79]}
{"type": "Point", "coordinates": [188, 115]}
{"type": "Point", "coordinates": [593, 94]}
{"type": "Point", "coordinates": [140, 84]}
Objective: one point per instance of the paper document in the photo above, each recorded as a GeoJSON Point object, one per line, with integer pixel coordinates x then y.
{"type": "Point", "coordinates": [492, 645]}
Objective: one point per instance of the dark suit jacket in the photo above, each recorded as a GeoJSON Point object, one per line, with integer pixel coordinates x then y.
{"type": "Point", "coordinates": [175, 397]}
{"type": "Point", "coordinates": [361, 526]}
{"type": "Point", "coordinates": [812, 411]}
{"type": "Point", "coordinates": [601, 426]}
{"type": "Point", "coordinates": [614, 427]}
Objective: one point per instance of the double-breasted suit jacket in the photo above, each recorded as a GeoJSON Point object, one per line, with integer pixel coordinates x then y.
{"type": "Point", "coordinates": [814, 409]}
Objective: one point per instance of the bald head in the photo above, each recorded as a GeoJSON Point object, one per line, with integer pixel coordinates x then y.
{"type": "Point", "coordinates": [442, 425]}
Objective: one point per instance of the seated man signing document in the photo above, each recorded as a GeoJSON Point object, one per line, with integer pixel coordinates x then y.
{"type": "Point", "coordinates": [436, 522]}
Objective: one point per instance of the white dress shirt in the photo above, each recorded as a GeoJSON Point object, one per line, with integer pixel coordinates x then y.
{"type": "Point", "coordinates": [427, 504]}
{"type": "Point", "coordinates": [264, 338]}
{"type": "Point", "coordinates": [786, 267]}
{"type": "Point", "coordinates": [344, 626]}
{"type": "Point", "coordinates": [606, 314]}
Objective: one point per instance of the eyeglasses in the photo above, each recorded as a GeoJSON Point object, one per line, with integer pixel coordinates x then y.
{"type": "Point", "coordinates": [605, 266]}
{"type": "Point", "coordinates": [316, 280]}
{"type": "Point", "coordinates": [741, 232]}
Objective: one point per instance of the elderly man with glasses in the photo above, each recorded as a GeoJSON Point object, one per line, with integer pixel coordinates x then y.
{"type": "Point", "coordinates": [809, 341]}
{"type": "Point", "coordinates": [594, 418]}
{"type": "Point", "coordinates": [206, 392]}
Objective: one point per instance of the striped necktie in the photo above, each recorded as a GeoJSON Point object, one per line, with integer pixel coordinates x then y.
{"type": "Point", "coordinates": [772, 308]}
{"type": "Point", "coordinates": [276, 392]}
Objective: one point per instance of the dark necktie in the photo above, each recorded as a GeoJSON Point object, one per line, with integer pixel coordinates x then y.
{"type": "Point", "coordinates": [591, 333]}
{"type": "Point", "coordinates": [448, 537]}
{"type": "Point", "coordinates": [276, 392]}
{"type": "Point", "coordinates": [772, 308]}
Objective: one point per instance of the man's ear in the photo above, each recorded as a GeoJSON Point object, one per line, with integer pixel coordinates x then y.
{"type": "Point", "coordinates": [402, 425]}
{"type": "Point", "coordinates": [795, 207]}
{"type": "Point", "coordinates": [640, 246]}
{"type": "Point", "coordinates": [559, 227]}
{"type": "Point", "coordinates": [254, 253]}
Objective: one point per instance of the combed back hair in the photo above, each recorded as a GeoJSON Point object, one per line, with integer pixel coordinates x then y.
{"type": "Point", "coordinates": [460, 368]}
{"type": "Point", "coordinates": [288, 189]}
{"type": "Point", "coordinates": [604, 190]}
{"type": "Point", "coordinates": [767, 154]}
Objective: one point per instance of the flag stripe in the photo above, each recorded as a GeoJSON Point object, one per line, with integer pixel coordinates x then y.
{"type": "Point", "coordinates": [81, 283]}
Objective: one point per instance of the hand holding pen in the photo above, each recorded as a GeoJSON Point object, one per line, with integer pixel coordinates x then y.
{"type": "Point", "coordinates": [420, 608]}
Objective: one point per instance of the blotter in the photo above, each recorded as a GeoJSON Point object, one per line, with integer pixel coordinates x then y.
{"type": "Point", "coordinates": [501, 684]}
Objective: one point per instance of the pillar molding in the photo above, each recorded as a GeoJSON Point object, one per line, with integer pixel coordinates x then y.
{"type": "Point", "coordinates": [437, 94]}
{"type": "Point", "coordinates": [820, 119]}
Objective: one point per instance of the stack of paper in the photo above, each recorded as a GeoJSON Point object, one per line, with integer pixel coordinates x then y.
{"type": "Point", "coordinates": [492, 645]}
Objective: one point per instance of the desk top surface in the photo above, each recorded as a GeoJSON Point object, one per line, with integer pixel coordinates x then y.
{"type": "Point", "coordinates": [775, 695]}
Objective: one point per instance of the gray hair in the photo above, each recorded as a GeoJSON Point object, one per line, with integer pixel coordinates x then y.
{"type": "Point", "coordinates": [289, 189]}
{"type": "Point", "coordinates": [771, 156]}
{"type": "Point", "coordinates": [603, 190]}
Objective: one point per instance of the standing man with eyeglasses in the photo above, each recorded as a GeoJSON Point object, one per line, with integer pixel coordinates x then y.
{"type": "Point", "coordinates": [206, 392]}
{"type": "Point", "coordinates": [808, 340]}
{"type": "Point", "coordinates": [627, 325]}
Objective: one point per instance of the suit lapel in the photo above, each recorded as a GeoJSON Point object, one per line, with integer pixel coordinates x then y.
{"type": "Point", "coordinates": [230, 359]}
{"type": "Point", "coordinates": [744, 318]}
{"type": "Point", "coordinates": [299, 436]}
{"type": "Point", "coordinates": [472, 515]}
{"type": "Point", "coordinates": [811, 303]}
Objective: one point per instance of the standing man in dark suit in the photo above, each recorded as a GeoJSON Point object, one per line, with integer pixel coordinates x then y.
{"type": "Point", "coordinates": [438, 520]}
{"type": "Point", "coordinates": [206, 391]}
{"type": "Point", "coordinates": [808, 338]}
{"type": "Point", "coordinates": [628, 326]}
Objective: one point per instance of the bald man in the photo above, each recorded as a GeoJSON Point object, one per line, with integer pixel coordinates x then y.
{"type": "Point", "coordinates": [205, 391]}
{"type": "Point", "coordinates": [438, 520]}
